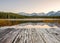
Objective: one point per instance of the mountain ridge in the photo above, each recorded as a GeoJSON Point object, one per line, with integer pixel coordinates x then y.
{"type": "Point", "coordinates": [51, 13]}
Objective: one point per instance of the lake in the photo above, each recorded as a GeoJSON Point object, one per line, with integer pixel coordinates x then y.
{"type": "Point", "coordinates": [31, 32]}
{"type": "Point", "coordinates": [35, 25]}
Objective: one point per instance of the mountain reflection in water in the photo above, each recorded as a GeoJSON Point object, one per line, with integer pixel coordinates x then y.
{"type": "Point", "coordinates": [33, 25]}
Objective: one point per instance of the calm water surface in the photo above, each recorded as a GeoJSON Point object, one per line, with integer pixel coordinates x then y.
{"type": "Point", "coordinates": [34, 25]}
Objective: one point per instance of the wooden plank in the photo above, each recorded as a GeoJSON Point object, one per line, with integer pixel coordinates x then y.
{"type": "Point", "coordinates": [31, 35]}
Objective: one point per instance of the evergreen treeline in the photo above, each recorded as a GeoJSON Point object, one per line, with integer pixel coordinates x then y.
{"type": "Point", "coordinates": [6, 15]}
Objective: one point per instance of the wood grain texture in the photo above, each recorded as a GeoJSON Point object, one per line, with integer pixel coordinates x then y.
{"type": "Point", "coordinates": [30, 35]}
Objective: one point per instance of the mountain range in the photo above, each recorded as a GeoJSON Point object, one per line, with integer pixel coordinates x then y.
{"type": "Point", "coordinates": [51, 13]}
{"type": "Point", "coordinates": [22, 15]}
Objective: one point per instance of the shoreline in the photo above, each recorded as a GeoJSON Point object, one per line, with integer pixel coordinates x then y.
{"type": "Point", "coordinates": [10, 22]}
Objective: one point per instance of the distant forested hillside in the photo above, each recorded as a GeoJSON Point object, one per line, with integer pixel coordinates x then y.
{"type": "Point", "coordinates": [8, 15]}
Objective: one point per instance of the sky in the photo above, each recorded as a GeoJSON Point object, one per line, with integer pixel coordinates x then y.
{"type": "Point", "coordinates": [29, 6]}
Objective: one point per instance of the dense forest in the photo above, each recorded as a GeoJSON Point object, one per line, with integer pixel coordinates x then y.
{"type": "Point", "coordinates": [8, 15]}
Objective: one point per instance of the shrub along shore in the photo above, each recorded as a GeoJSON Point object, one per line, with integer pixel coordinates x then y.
{"type": "Point", "coordinates": [10, 23]}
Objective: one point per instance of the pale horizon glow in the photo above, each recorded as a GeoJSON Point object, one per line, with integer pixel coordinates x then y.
{"type": "Point", "coordinates": [29, 6]}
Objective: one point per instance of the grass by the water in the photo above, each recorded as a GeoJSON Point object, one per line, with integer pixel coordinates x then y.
{"type": "Point", "coordinates": [10, 23]}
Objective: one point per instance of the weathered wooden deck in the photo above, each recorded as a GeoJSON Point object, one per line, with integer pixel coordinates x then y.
{"type": "Point", "coordinates": [30, 35]}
